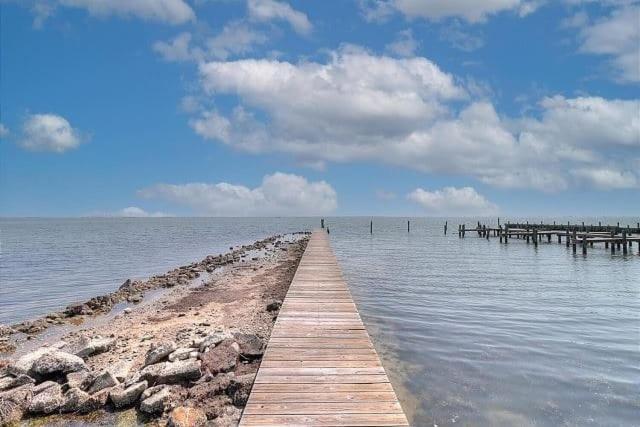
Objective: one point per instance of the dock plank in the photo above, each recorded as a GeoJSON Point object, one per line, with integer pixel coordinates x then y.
{"type": "Point", "coordinates": [320, 367]}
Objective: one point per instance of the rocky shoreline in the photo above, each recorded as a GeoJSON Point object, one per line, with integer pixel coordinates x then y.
{"type": "Point", "coordinates": [188, 358]}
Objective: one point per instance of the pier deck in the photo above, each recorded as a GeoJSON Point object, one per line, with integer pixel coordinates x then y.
{"type": "Point", "coordinates": [320, 367]}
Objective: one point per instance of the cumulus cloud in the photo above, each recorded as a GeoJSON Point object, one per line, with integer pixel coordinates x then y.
{"type": "Point", "coordinates": [408, 112]}
{"type": "Point", "coordinates": [616, 36]}
{"type": "Point", "coordinates": [4, 131]}
{"type": "Point", "coordinates": [269, 10]}
{"type": "Point", "coordinates": [404, 45]}
{"type": "Point", "coordinates": [49, 132]}
{"type": "Point", "coordinates": [278, 195]}
{"type": "Point", "coordinates": [469, 10]}
{"type": "Point", "coordinates": [453, 201]}
{"type": "Point", "coordinates": [172, 12]}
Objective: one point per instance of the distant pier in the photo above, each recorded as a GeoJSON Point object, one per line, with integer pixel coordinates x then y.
{"type": "Point", "coordinates": [614, 237]}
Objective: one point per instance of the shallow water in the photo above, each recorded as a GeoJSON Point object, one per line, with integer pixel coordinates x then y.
{"type": "Point", "coordinates": [472, 332]}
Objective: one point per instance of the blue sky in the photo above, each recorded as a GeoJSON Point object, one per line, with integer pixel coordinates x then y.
{"type": "Point", "coordinates": [364, 107]}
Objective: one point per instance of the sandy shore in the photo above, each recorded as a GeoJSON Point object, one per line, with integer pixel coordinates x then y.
{"type": "Point", "coordinates": [181, 348]}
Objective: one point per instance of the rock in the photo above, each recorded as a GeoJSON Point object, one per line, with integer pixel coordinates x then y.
{"type": "Point", "coordinates": [95, 346]}
{"type": "Point", "coordinates": [24, 364]}
{"type": "Point", "coordinates": [126, 285]}
{"type": "Point", "coordinates": [74, 400]}
{"type": "Point", "coordinates": [158, 352]}
{"type": "Point", "coordinates": [14, 403]}
{"type": "Point", "coordinates": [251, 346]}
{"type": "Point", "coordinates": [102, 381]}
{"type": "Point", "coordinates": [180, 371]}
{"type": "Point", "coordinates": [47, 401]}
{"type": "Point", "coordinates": [80, 379]}
{"type": "Point", "coordinates": [57, 361]}
{"type": "Point", "coordinates": [172, 372]}
{"type": "Point", "coordinates": [13, 382]}
{"type": "Point", "coordinates": [126, 311]}
{"type": "Point", "coordinates": [222, 358]}
{"type": "Point", "coordinates": [77, 310]}
{"type": "Point", "coordinates": [187, 417]}
{"type": "Point", "coordinates": [274, 306]}
{"type": "Point", "coordinates": [121, 369]}
{"type": "Point", "coordinates": [181, 354]}
{"type": "Point", "coordinates": [95, 402]}
{"type": "Point", "coordinates": [43, 386]}
{"type": "Point", "coordinates": [213, 340]}
{"type": "Point", "coordinates": [155, 403]}
{"type": "Point", "coordinates": [122, 397]}
{"type": "Point", "coordinates": [240, 388]}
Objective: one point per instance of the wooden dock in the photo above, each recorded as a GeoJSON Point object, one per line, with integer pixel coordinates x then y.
{"type": "Point", "coordinates": [320, 367]}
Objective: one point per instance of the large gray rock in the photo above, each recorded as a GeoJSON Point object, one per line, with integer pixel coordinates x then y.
{"type": "Point", "coordinates": [24, 364]}
{"type": "Point", "coordinates": [74, 400]}
{"type": "Point", "coordinates": [10, 382]}
{"type": "Point", "coordinates": [103, 381]}
{"type": "Point", "coordinates": [57, 361]}
{"type": "Point", "coordinates": [90, 347]}
{"type": "Point", "coordinates": [80, 379]}
{"type": "Point", "coordinates": [172, 372]}
{"type": "Point", "coordinates": [121, 369]}
{"type": "Point", "coordinates": [156, 402]}
{"type": "Point", "coordinates": [122, 397]}
{"type": "Point", "coordinates": [13, 403]}
{"type": "Point", "coordinates": [47, 401]}
{"type": "Point", "coordinates": [159, 352]}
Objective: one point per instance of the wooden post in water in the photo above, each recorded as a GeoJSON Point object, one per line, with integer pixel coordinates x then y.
{"type": "Point", "coordinates": [486, 233]}
{"type": "Point", "coordinates": [613, 243]}
{"type": "Point", "coordinates": [327, 230]}
{"type": "Point", "coordinates": [559, 238]}
{"type": "Point", "coordinates": [624, 242]}
{"type": "Point", "coordinates": [322, 223]}
{"type": "Point", "coordinates": [527, 231]}
{"type": "Point", "coordinates": [548, 237]}
{"type": "Point", "coordinates": [500, 233]}
{"type": "Point", "coordinates": [371, 227]}
{"type": "Point", "coordinates": [535, 237]}
{"type": "Point", "coordinates": [574, 241]}
{"type": "Point", "coordinates": [506, 234]}
{"type": "Point", "coordinates": [584, 244]}
{"type": "Point", "coordinates": [445, 227]}
{"type": "Point", "coordinates": [459, 230]}
{"type": "Point", "coordinates": [408, 226]}
{"type": "Point", "coordinates": [567, 237]}
{"type": "Point", "coordinates": [463, 230]}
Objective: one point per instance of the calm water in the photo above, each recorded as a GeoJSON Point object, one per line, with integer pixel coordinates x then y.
{"type": "Point", "coordinates": [472, 332]}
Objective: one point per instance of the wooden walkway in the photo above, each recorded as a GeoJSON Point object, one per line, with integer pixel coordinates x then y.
{"type": "Point", "coordinates": [320, 368]}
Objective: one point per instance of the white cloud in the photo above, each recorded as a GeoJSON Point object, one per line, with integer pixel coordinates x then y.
{"type": "Point", "coordinates": [49, 132]}
{"type": "Point", "coordinates": [404, 45]}
{"type": "Point", "coordinates": [268, 10]}
{"type": "Point", "coordinates": [168, 11]}
{"type": "Point", "coordinates": [136, 212]}
{"type": "Point", "coordinates": [279, 195]}
{"type": "Point", "coordinates": [616, 36]}
{"type": "Point", "coordinates": [409, 113]}
{"type": "Point", "coordinates": [608, 179]}
{"type": "Point", "coordinates": [461, 38]}
{"type": "Point", "coordinates": [235, 39]}
{"type": "Point", "coordinates": [469, 10]}
{"type": "Point", "coordinates": [4, 131]}
{"type": "Point", "coordinates": [453, 201]}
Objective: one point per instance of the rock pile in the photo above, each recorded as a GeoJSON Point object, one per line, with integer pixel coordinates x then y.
{"type": "Point", "coordinates": [208, 372]}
